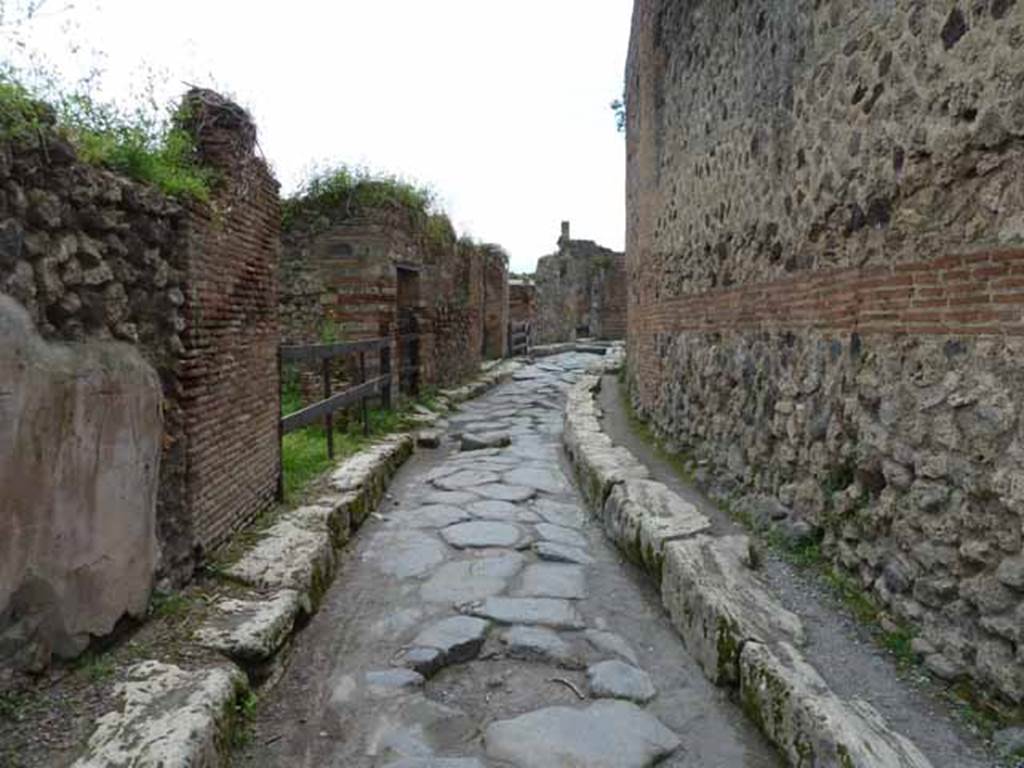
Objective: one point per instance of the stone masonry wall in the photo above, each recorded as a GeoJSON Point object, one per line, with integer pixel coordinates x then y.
{"type": "Point", "coordinates": [580, 290]}
{"type": "Point", "coordinates": [344, 277]}
{"type": "Point", "coordinates": [495, 307]}
{"type": "Point", "coordinates": [94, 256]}
{"type": "Point", "coordinates": [825, 207]}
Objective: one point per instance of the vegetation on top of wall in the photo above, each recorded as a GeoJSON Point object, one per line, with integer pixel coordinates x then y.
{"type": "Point", "coordinates": [334, 194]}
{"type": "Point", "coordinates": [147, 145]}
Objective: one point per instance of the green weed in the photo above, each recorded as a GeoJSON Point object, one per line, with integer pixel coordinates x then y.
{"type": "Point", "coordinates": [96, 667]}
{"type": "Point", "coordinates": [168, 604]}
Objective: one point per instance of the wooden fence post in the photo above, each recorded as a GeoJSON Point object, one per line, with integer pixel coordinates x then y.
{"type": "Point", "coordinates": [329, 418]}
{"type": "Point", "coordinates": [362, 380]}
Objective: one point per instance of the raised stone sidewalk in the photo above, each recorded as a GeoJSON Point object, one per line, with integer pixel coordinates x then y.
{"type": "Point", "coordinates": [737, 631]}
{"type": "Point", "coordinates": [177, 718]}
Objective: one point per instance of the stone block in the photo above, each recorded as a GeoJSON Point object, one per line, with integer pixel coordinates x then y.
{"type": "Point", "coordinates": [170, 717]}
{"type": "Point", "coordinates": [717, 604]}
{"type": "Point", "coordinates": [794, 707]}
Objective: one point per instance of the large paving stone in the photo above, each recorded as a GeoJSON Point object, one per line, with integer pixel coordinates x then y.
{"type": "Point", "coordinates": [251, 630]}
{"type": "Point", "coordinates": [559, 513]}
{"type": "Point", "coordinates": [468, 580]}
{"type": "Point", "coordinates": [483, 533]}
{"type": "Point", "coordinates": [561, 535]}
{"type": "Point", "coordinates": [455, 498]}
{"type": "Point", "coordinates": [476, 441]}
{"type": "Point", "coordinates": [810, 725]}
{"type": "Point", "coordinates": [539, 644]}
{"type": "Point", "coordinates": [415, 726]}
{"type": "Point", "coordinates": [504, 492]}
{"type": "Point", "coordinates": [551, 612]}
{"type": "Point", "coordinates": [553, 580]}
{"type": "Point", "coordinates": [493, 509]}
{"type": "Point", "coordinates": [392, 682]}
{"type": "Point", "coordinates": [465, 478]}
{"type": "Point", "coordinates": [609, 642]}
{"type": "Point", "coordinates": [606, 734]}
{"type": "Point", "coordinates": [618, 680]}
{"type": "Point", "coordinates": [170, 717]}
{"type": "Point", "coordinates": [435, 516]}
{"type": "Point", "coordinates": [459, 638]}
{"type": "Point", "coordinates": [717, 604]}
{"type": "Point", "coordinates": [408, 554]}
{"type": "Point", "coordinates": [546, 480]}
{"type": "Point", "coordinates": [559, 553]}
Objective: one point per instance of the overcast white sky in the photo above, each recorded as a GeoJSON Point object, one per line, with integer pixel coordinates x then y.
{"type": "Point", "coordinates": [501, 107]}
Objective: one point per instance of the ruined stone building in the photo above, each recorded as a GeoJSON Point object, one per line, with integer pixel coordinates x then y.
{"type": "Point", "coordinates": [522, 300]}
{"type": "Point", "coordinates": [170, 311]}
{"type": "Point", "coordinates": [825, 252]}
{"type": "Point", "coordinates": [387, 271]}
{"type": "Point", "coordinates": [580, 292]}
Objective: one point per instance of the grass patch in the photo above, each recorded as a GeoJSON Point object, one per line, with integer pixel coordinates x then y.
{"type": "Point", "coordinates": [242, 730]}
{"type": "Point", "coordinates": [168, 604]}
{"type": "Point", "coordinates": [95, 667]}
{"type": "Point", "coordinates": [681, 462]}
{"type": "Point", "coordinates": [148, 145]}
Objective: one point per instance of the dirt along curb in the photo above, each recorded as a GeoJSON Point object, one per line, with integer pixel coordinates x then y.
{"type": "Point", "coordinates": [179, 718]}
{"type": "Point", "coordinates": [738, 632]}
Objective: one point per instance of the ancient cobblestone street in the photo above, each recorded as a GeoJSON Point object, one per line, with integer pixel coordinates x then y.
{"type": "Point", "coordinates": [480, 620]}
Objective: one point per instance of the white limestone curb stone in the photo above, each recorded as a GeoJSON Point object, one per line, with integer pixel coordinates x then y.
{"type": "Point", "coordinates": [172, 718]}
{"type": "Point", "coordinates": [251, 630]}
{"type": "Point", "coordinates": [734, 628]}
{"type": "Point", "coordinates": [809, 724]}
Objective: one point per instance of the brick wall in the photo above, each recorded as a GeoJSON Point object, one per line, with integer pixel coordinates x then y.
{"type": "Point", "coordinates": [495, 307]}
{"type": "Point", "coordinates": [229, 365]}
{"type": "Point", "coordinates": [825, 291]}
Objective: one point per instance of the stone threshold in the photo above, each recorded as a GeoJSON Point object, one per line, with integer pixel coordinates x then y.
{"type": "Point", "coordinates": [178, 718]}
{"type": "Point", "coordinates": [738, 632]}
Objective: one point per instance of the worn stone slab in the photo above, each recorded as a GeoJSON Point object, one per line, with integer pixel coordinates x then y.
{"type": "Point", "coordinates": [392, 682]}
{"type": "Point", "coordinates": [483, 533]}
{"type": "Point", "coordinates": [561, 535]}
{"type": "Point", "coordinates": [553, 580]}
{"type": "Point", "coordinates": [539, 644]}
{"type": "Point", "coordinates": [493, 509]}
{"type": "Point", "coordinates": [609, 642]}
{"type": "Point", "coordinates": [606, 734]}
{"type": "Point", "coordinates": [251, 630]}
{"type": "Point", "coordinates": [559, 553]}
{"type": "Point", "coordinates": [600, 468]}
{"type": "Point", "coordinates": [642, 516]}
{"type": "Point", "coordinates": [455, 498]}
{"type": "Point", "coordinates": [717, 604]}
{"type": "Point", "coordinates": [295, 553]}
{"type": "Point", "coordinates": [794, 707]}
{"type": "Point", "coordinates": [429, 438]}
{"type": "Point", "coordinates": [459, 638]}
{"type": "Point", "coordinates": [408, 554]}
{"type": "Point", "coordinates": [170, 717]}
{"type": "Point", "coordinates": [551, 612]}
{"type": "Point", "coordinates": [503, 492]}
{"type": "Point", "coordinates": [546, 480]}
{"type": "Point", "coordinates": [422, 659]}
{"type": "Point", "coordinates": [616, 679]}
{"type": "Point", "coordinates": [466, 478]}
{"type": "Point", "coordinates": [436, 516]}
{"type": "Point", "coordinates": [558, 513]}
{"type": "Point", "coordinates": [468, 580]}
{"type": "Point", "coordinates": [477, 441]}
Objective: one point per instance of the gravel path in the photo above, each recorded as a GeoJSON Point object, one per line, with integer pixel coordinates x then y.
{"type": "Point", "coordinates": [842, 649]}
{"type": "Point", "coordinates": [480, 620]}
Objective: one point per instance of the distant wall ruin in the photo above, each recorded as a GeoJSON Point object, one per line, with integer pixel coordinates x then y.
{"type": "Point", "coordinates": [379, 274]}
{"type": "Point", "coordinates": [93, 256]}
{"type": "Point", "coordinates": [824, 246]}
{"type": "Point", "coordinates": [580, 291]}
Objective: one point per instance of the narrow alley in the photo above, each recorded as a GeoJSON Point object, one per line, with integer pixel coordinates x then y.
{"type": "Point", "coordinates": [481, 620]}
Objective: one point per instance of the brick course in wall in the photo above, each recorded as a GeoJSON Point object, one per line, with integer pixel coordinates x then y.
{"type": "Point", "coordinates": [826, 288]}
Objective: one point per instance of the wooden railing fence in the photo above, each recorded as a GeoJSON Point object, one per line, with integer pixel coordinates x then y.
{"type": "Point", "coordinates": [519, 339]}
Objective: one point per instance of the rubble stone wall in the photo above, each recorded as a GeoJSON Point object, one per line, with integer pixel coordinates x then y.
{"type": "Point", "coordinates": [93, 256]}
{"type": "Point", "coordinates": [824, 219]}
{"type": "Point", "coordinates": [495, 307]}
{"type": "Point", "coordinates": [580, 291]}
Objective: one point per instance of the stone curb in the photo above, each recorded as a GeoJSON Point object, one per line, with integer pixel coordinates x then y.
{"type": "Point", "coordinates": [730, 623]}
{"type": "Point", "coordinates": [176, 718]}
